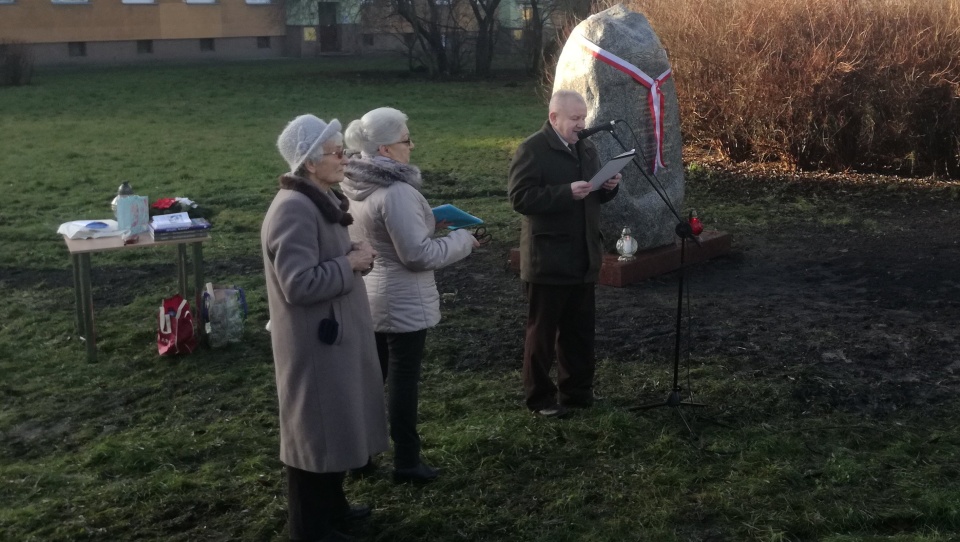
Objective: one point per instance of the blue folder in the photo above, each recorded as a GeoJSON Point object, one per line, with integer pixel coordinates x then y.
{"type": "Point", "coordinates": [457, 218]}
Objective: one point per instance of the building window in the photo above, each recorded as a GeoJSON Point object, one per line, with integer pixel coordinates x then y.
{"type": "Point", "coordinates": [206, 44]}
{"type": "Point", "coordinates": [77, 48]}
{"type": "Point", "coordinates": [259, 2]}
{"type": "Point", "coordinates": [139, 1]}
{"type": "Point", "coordinates": [144, 47]}
{"type": "Point", "coordinates": [368, 40]}
{"type": "Point", "coordinates": [263, 42]}
{"type": "Point", "coordinates": [7, 1]}
{"type": "Point", "coordinates": [201, 1]}
{"type": "Point", "coordinates": [70, 1]}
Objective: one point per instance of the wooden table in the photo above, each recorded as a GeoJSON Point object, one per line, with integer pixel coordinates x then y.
{"type": "Point", "coordinates": [80, 251]}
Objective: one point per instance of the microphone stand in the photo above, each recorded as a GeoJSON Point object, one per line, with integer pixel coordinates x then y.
{"type": "Point", "coordinates": [684, 231]}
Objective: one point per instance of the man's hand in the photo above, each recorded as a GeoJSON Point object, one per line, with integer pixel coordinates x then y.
{"type": "Point", "coordinates": [581, 189]}
{"type": "Point", "coordinates": [612, 182]}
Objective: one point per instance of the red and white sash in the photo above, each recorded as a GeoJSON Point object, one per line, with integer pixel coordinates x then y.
{"type": "Point", "coordinates": [654, 98]}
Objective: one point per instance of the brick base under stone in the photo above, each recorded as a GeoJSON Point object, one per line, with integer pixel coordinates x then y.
{"type": "Point", "coordinates": [652, 262]}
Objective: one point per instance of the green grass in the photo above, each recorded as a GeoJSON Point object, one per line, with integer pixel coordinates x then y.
{"type": "Point", "coordinates": [136, 447]}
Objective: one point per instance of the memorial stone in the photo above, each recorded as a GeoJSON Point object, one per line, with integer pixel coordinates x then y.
{"type": "Point", "coordinates": [616, 62]}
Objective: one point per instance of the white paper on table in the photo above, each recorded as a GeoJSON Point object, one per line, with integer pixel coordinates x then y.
{"type": "Point", "coordinates": [89, 229]}
{"type": "Point", "coordinates": [611, 168]}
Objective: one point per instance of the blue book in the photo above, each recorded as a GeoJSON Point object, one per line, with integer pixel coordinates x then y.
{"type": "Point", "coordinates": [457, 218]}
{"type": "Point", "coordinates": [178, 222]}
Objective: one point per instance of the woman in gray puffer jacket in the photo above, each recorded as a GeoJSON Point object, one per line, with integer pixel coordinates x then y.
{"type": "Point", "coordinates": [394, 217]}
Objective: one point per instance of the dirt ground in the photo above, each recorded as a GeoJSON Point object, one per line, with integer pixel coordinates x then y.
{"type": "Point", "coordinates": [860, 315]}
{"type": "Point", "coordinates": [855, 301]}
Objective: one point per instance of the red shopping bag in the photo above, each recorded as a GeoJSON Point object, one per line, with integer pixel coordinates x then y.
{"type": "Point", "coordinates": [175, 329]}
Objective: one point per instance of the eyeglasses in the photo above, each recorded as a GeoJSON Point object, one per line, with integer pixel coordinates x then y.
{"type": "Point", "coordinates": [406, 142]}
{"type": "Point", "coordinates": [338, 153]}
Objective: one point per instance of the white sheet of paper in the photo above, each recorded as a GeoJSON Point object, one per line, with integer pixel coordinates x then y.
{"type": "Point", "coordinates": [611, 168]}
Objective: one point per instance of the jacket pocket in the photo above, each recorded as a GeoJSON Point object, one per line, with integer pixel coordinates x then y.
{"type": "Point", "coordinates": [330, 331]}
{"type": "Point", "coordinates": [551, 253]}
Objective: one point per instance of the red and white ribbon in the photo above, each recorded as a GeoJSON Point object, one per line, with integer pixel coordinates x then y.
{"type": "Point", "coordinates": [654, 98]}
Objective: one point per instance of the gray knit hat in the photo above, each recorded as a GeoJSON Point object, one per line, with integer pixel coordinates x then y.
{"type": "Point", "coordinates": [301, 136]}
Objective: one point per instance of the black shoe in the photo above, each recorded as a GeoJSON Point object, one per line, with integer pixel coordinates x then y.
{"type": "Point", "coordinates": [421, 474]}
{"type": "Point", "coordinates": [364, 471]}
{"type": "Point", "coordinates": [336, 536]}
{"type": "Point", "coordinates": [582, 402]}
{"type": "Point", "coordinates": [355, 512]}
{"type": "Point", "coordinates": [553, 411]}
{"type": "Point", "coordinates": [578, 403]}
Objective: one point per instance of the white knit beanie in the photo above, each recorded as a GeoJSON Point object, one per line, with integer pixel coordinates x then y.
{"type": "Point", "coordinates": [301, 136]}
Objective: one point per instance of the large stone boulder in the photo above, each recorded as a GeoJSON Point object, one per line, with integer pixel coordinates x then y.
{"type": "Point", "coordinates": [586, 65]}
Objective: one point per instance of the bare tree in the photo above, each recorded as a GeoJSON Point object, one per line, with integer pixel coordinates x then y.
{"type": "Point", "coordinates": [426, 19]}
{"type": "Point", "coordinates": [485, 14]}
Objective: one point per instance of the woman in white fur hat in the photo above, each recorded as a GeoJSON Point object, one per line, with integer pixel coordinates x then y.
{"type": "Point", "coordinates": [397, 221]}
{"type": "Point", "coordinates": [329, 384]}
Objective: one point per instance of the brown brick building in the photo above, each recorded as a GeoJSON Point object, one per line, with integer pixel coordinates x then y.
{"type": "Point", "coordinates": [118, 31]}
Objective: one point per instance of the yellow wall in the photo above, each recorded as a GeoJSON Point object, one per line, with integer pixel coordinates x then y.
{"type": "Point", "coordinates": [41, 21]}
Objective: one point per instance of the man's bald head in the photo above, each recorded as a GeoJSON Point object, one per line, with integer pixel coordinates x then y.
{"type": "Point", "coordinates": [562, 99]}
{"type": "Point", "coordinates": [568, 114]}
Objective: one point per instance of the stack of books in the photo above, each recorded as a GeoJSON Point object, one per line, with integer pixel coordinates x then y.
{"type": "Point", "coordinates": [177, 226]}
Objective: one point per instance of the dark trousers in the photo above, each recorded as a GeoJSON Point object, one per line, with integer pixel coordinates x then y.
{"type": "Point", "coordinates": [314, 500]}
{"type": "Point", "coordinates": [560, 323]}
{"type": "Point", "coordinates": [401, 355]}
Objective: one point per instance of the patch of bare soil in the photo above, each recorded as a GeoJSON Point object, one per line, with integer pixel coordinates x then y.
{"type": "Point", "coordinates": [860, 315]}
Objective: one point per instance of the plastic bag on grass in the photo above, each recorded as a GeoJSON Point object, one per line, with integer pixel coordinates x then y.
{"type": "Point", "coordinates": [224, 310]}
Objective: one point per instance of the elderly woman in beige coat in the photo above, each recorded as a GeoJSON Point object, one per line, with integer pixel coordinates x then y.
{"type": "Point", "coordinates": [397, 221]}
{"type": "Point", "coordinates": [332, 415]}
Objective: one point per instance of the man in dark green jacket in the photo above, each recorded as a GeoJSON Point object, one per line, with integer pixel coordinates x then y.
{"type": "Point", "coordinates": [560, 255]}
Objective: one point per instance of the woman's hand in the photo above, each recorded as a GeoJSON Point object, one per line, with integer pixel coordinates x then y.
{"type": "Point", "coordinates": [361, 256]}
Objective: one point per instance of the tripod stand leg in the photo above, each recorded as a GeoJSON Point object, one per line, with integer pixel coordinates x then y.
{"type": "Point", "coordinates": [684, 420]}
{"type": "Point", "coordinates": [674, 400]}
{"type": "Point", "coordinates": [648, 406]}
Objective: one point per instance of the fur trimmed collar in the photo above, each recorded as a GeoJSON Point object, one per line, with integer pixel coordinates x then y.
{"type": "Point", "coordinates": [330, 211]}
{"type": "Point", "coordinates": [380, 171]}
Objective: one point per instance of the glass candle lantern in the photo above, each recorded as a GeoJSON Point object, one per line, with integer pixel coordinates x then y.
{"type": "Point", "coordinates": [626, 246]}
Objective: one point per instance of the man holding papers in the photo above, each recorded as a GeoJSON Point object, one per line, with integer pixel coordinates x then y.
{"type": "Point", "coordinates": [560, 255]}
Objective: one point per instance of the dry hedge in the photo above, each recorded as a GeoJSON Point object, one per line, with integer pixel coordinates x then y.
{"type": "Point", "coordinates": [866, 85]}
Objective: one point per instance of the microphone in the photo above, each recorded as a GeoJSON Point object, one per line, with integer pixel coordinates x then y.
{"type": "Point", "coordinates": [587, 132]}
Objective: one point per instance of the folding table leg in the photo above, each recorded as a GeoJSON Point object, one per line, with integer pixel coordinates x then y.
{"type": "Point", "coordinates": [182, 269]}
{"type": "Point", "coordinates": [198, 292]}
{"type": "Point", "coordinates": [77, 296]}
{"type": "Point", "coordinates": [86, 292]}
